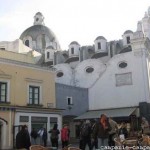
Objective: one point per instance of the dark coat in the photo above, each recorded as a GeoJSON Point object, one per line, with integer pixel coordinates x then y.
{"type": "Point", "coordinates": [100, 132]}
{"type": "Point", "coordinates": [23, 139]}
{"type": "Point", "coordinates": [85, 128]}
{"type": "Point", "coordinates": [54, 133]}
{"type": "Point", "coordinates": [34, 134]}
{"type": "Point", "coordinates": [44, 137]}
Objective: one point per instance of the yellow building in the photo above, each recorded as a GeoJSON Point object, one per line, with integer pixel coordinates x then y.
{"type": "Point", "coordinates": [27, 96]}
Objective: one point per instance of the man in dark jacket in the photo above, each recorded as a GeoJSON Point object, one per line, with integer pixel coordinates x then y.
{"type": "Point", "coordinates": [23, 138]}
{"type": "Point", "coordinates": [101, 130]}
{"type": "Point", "coordinates": [86, 135]}
{"type": "Point", "coordinates": [34, 136]}
{"type": "Point", "coordinates": [44, 137]}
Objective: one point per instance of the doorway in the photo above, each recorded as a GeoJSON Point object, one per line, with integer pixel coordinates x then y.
{"type": "Point", "coordinates": [16, 129]}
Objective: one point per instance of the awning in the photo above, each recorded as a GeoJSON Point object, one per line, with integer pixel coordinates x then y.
{"type": "Point", "coordinates": [115, 112]}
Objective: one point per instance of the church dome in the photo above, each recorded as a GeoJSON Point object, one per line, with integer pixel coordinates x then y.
{"type": "Point", "coordinates": [99, 38]}
{"type": "Point", "coordinates": [50, 47]}
{"type": "Point", "coordinates": [128, 32]}
{"type": "Point", "coordinates": [74, 42]}
{"type": "Point", "coordinates": [36, 30]}
{"type": "Point", "coordinates": [38, 36]}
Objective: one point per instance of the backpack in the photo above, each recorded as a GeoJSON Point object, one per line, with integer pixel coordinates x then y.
{"type": "Point", "coordinates": [54, 134]}
{"type": "Point", "coordinates": [85, 131]}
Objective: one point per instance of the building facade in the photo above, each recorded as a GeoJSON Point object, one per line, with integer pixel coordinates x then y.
{"type": "Point", "coordinates": [113, 75]}
{"type": "Point", "coordinates": [74, 102]}
{"type": "Point", "coordinates": [27, 97]}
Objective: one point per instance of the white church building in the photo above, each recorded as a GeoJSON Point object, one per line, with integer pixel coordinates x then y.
{"type": "Point", "coordinates": [115, 73]}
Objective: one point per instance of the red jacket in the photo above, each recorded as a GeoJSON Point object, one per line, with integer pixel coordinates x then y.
{"type": "Point", "coordinates": [64, 134]}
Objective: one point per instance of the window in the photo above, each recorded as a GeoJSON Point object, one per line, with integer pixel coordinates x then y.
{"type": "Point", "coordinates": [99, 45]}
{"type": "Point", "coordinates": [59, 74]}
{"type": "Point", "coordinates": [89, 69]}
{"type": "Point", "coordinates": [123, 65]}
{"type": "Point", "coordinates": [34, 95]}
{"type": "Point", "coordinates": [53, 120]}
{"type": "Point", "coordinates": [128, 40]}
{"type": "Point", "coordinates": [72, 50]}
{"type": "Point", "coordinates": [27, 43]}
{"type": "Point", "coordinates": [3, 91]}
{"type": "Point", "coordinates": [48, 54]}
{"type": "Point", "coordinates": [37, 19]}
{"type": "Point", "coordinates": [69, 100]}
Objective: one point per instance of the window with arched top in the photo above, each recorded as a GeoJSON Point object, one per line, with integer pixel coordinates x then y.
{"type": "Point", "coordinates": [48, 55]}
{"type": "Point", "coordinates": [27, 43]}
{"type": "Point", "coordinates": [128, 39]}
{"type": "Point", "coordinates": [99, 45]}
{"type": "Point", "coordinates": [59, 74]}
{"type": "Point", "coordinates": [122, 65]}
{"type": "Point", "coordinates": [89, 69]}
{"type": "Point", "coordinates": [72, 50]}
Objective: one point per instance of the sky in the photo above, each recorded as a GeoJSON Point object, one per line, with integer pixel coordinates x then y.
{"type": "Point", "coordinates": [72, 20]}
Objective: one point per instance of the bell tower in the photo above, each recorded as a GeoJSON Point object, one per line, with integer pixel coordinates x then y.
{"type": "Point", "coordinates": [38, 19]}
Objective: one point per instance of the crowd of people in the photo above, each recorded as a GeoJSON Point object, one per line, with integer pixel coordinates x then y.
{"type": "Point", "coordinates": [94, 134]}
{"type": "Point", "coordinates": [23, 139]}
{"type": "Point", "coordinates": [103, 131]}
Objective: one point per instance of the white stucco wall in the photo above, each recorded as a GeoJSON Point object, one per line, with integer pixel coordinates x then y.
{"type": "Point", "coordinates": [84, 79]}
{"type": "Point", "coordinates": [78, 76]}
{"type": "Point", "coordinates": [67, 77]}
{"type": "Point", "coordinates": [125, 38]}
{"type": "Point", "coordinates": [103, 45]}
{"type": "Point", "coordinates": [105, 93]}
{"type": "Point", "coordinates": [76, 50]}
{"type": "Point", "coordinates": [15, 46]}
{"type": "Point", "coordinates": [51, 55]}
{"type": "Point", "coordinates": [74, 64]}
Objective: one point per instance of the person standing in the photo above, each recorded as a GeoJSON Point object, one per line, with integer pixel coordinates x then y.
{"type": "Point", "coordinates": [44, 137]}
{"type": "Point", "coordinates": [145, 126]}
{"type": "Point", "coordinates": [34, 136]}
{"type": "Point", "coordinates": [94, 141]}
{"type": "Point", "coordinates": [54, 136]}
{"type": "Point", "coordinates": [113, 132]}
{"type": "Point", "coordinates": [65, 136]}
{"type": "Point", "coordinates": [86, 135]}
{"type": "Point", "coordinates": [23, 138]}
{"type": "Point", "coordinates": [123, 133]}
{"type": "Point", "coordinates": [101, 130]}
{"type": "Point", "coordinates": [40, 134]}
